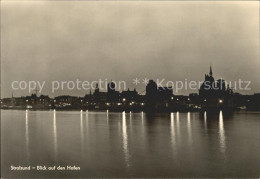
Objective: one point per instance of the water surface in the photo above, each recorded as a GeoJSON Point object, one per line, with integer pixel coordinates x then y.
{"type": "Point", "coordinates": [131, 144]}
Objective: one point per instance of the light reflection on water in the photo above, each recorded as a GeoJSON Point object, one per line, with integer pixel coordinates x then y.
{"type": "Point", "coordinates": [55, 136]}
{"type": "Point", "coordinates": [27, 135]}
{"type": "Point", "coordinates": [173, 136]}
{"type": "Point", "coordinates": [81, 130]}
{"type": "Point", "coordinates": [107, 117]}
{"type": "Point", "coordinates": [178, 124]}
{"type": "Point", "coordinates": [87, 119]}
{"type": "Point", "coordinates": [205, 119]}
{"type": "Point", "coordinates": [222, 137]}
{"type": "Point", "coordinates": [125, 139]}
{"type": "Point", "coordinates": [104, 141]}
{"type": "Point", "coordinates": [189, 128]}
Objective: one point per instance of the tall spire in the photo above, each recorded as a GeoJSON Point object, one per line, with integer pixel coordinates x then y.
{"type": "Point", "coordinates": [210, 71]}
{"type": "Point", "coordinates": [36, 90]}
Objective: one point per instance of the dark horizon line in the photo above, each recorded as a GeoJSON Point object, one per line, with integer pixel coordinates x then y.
{"type": "Point", "coordinates": [38, 95]}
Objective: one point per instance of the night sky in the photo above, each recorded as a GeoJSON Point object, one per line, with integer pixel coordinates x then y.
{"type": "Point", "coordinates": [62, 40]}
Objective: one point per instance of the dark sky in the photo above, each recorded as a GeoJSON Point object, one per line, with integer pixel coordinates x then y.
{"type": "Point", "coordinates": [62, 40]}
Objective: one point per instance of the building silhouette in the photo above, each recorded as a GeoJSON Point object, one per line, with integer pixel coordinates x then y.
{"type": "Point", "coordinates": [151, 96]}
{"type": "Point", "coordinates": [112, 94]}
{"type": "Point", "coordinates": [158, 98]}
{"type": "Point", "coordinates": [214, 95]}
{"type": "Point", "coordinates": [129, 96]}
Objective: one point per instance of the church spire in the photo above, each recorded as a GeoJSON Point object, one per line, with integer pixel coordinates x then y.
{"type": "Point", "coordinates": [210, 71]}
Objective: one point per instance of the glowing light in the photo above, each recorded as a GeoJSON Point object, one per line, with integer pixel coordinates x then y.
{"type": "Point", "coordinates": [220, 101]}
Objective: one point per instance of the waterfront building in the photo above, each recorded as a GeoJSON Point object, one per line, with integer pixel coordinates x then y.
{"type": "Point", "coordinates": [214, 95]}
{"type": "Point", "coordinates": [112, 94]}
{"type": "Point", "coordinates": [129, 96]}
